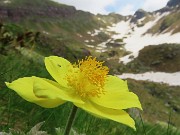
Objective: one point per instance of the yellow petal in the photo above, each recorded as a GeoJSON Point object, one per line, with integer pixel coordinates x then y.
{"type": "Point", "coordinates": [117, 100]}
{"type": "Point", "coordinates": [116, 115]}
{"type": "Point", "coordinates": [24, 87]}
{"type": "Point", "coordinates": [49, 89]}
{"type": "Point", "coordinates": [114, 83]}
{"type": "Point", "coordinates": [58, 67]}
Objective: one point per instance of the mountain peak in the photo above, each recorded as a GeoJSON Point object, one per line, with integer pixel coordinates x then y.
{"type": "Point", "coordinates": [140, 13]}
{"type": "Point", "coordinates": [30, 3]}
{"type": "Point", "coordinates": [173, 3]}
{"type": "Point", "coordinates": [36, 10]}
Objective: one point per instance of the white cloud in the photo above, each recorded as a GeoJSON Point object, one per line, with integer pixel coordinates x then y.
{"type": "Point", "coordinates": [152, 5]}
{"type": "Point", "coordinates": [120, 6]}
{"type": "Point", "coordinates": [93, 6]}
{"type": "Point", "coordinates": [127, 10]}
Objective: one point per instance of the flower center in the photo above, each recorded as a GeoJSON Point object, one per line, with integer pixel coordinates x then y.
{"type": "Point", "coordinates": [88, 77]}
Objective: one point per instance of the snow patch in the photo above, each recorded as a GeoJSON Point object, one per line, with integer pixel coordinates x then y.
{"type": "Point", "coordinates": [101, 50]}
{"type": "Point", "coordinates": [128, 58]}
{"type": "Point", "coordinates": [7, 1]}
{"type": "Point", "coordinates": [121, 28]}
{"type": "Point", "coordinates": [102, 47]}
{"type": "Point", "coordinates": [86, 41]}
{"type": "Point", "coordinates": [171, 79]}
{"type": "Point", "coordinates": [45, 32]}
{"type": "Point", "coordinates": [92, 40]}
{"type": "Point", "coordinates": [90, 46]}
{"type": "Point", "coordinates": [137, 39]}
{"type": "Point", "coordinates": [101, 29]}
{"type": "Point", "coordinates": [79, 35]}
{"type": "Point", "coordinates": [142, 19]}
{"type": "Point", "coordinates": [89, 32]}
{"type": "Point", "coordinates": [96, 32]}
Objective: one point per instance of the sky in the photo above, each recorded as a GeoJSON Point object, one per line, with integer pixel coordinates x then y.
{"type": "Point", "coordinates": [123, 7]}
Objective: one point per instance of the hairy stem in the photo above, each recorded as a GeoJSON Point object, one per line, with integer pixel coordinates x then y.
{"type": "Point", "coordinates": [70, 120]}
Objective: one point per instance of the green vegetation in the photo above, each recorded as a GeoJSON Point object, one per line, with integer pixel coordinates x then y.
{"type": "Point", "coordinates": [111, 18]}
{"type": "Point", "coordinates": [15, 38]}
{"type": "Point", "coordinates": [59, 25]}
{"type": "Point", "coordinates": [139, 14]}
{"type": "Point", "coordinates": [21, 115]}
{"type": "Point", "coordinates": [52, 18]}
{"type": "Point", "coordinates": [119, 40]}
{"type": "Point", "coordinates": [169, 23]}
{"type": "Point", "coordinates": [159, 101]}
{"type": "Point", "coordinates": [146, 20]}
{"type": "Point", "coordinates": [34, 3]}
{"type": "Point", "coordinates": [164, 58]}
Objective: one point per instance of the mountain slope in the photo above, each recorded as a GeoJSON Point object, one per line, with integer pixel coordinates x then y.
{"type": "Point", "coordinates": [33, 3]}
{"type": "Point", "coordinates": [169, 23]}
{"type": "Point", "coordinates": [61, 24]}
{"type": "Point", "coordinates": [47, 15]}
{"type": "Point", "coordinates": [173, 3]}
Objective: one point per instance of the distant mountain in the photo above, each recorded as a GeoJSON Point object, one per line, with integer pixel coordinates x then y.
{"type": "Point", "coordinates": [168, 23]}
{"type": "Point", "coordinates": [111, 18]}
{"type": "Point", "coordinates": [173, 3]}
{"type": "Point", "coordinates": [53, 17]}
{"type": "Point", "coordinates": [61, 22]}
{"type": "Point", "coordinates": [18, 10]}
{"type": "Point", "coordinates": [139, 14]}
{"type": "Point", "coordinates": [169, 18]}
{"type": "Point", "coordinates": [47, 16]}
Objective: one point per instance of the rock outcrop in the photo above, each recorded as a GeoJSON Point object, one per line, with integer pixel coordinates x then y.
{"type": "Point", "coordinates": [35, 13]}
{"type": "Point", "coordinates": [140, 13]}
{"type": "Point", "coordinates": [173, 3]}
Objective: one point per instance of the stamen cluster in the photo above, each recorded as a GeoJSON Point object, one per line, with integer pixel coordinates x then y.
{"type": "Point", "coordinates": [89, 77]}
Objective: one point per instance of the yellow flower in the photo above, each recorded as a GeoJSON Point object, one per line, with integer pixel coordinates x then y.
{"type": "Point", "coordinates": [85, 84]}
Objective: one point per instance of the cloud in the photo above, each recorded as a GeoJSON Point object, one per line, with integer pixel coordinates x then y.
{"type": "Point", "coordinates": [124, 7]}
{"type": "Point", "coordinates": [152, 5]}
{"type": "Point", "coordinates": [127, 10]}
{"type": "Point", "coordinates": [93, 6]}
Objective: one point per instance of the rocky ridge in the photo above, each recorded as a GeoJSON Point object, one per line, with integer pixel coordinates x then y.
{"type": "Point", "coordinates": [173, 3]}
{"type": "Point", "coordinates": [18, 13]}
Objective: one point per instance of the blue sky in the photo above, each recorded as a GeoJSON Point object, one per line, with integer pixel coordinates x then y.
{"type": "Point", "coordinates": [124, 7]}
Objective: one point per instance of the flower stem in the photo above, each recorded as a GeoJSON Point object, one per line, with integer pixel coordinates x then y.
{"type": "Point", "coordinates": [70, 120]}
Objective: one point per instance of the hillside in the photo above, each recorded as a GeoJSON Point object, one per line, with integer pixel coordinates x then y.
{"type": "Point", "coordinates": [169, 23]}
{"type": "Point", "coordinates": [162, 58]}
{"type": "Point", "coordinates": [48, 17]}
